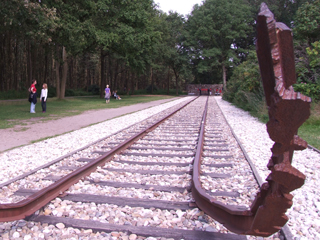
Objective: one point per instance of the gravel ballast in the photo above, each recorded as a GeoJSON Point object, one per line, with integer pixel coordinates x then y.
{"type": "Point", "coordinates": [304, 218]}
{"type": "Point", "coordinates": [304, 215]}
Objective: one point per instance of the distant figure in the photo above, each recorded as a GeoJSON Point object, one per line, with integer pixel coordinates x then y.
{"type": "Point", "coordinates": [107, 94]}
{"type": "Point", "coordinates": [117, 97]}
{"type": "Point", "coordinates": [199, 91]}
{"type": "Point", "coordinates": [43, 97]}
{"type": "Point", "coordinates": [217, 91]}
{"type": "Point", "coordinates": [33, 96]}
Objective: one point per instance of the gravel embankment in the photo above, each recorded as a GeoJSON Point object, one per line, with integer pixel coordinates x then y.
{"type": "Point", "coordinates": [304, 215]}
{"type": "Point", "coordinates": [304, 220]}
{"type": "Point", "coordinates": [26, 158]}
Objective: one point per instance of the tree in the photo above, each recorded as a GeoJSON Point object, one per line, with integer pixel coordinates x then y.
{"type": "Point", "coordinates": [307, 22]}
{"type": "Point", "coordinates": [23, 25]}
{"type": "Point", "coordinates": [212, 32]}
{"type": "Point", "coordinates": [176, 58]}
{"type": "Point", "coordinates": [124, 28]}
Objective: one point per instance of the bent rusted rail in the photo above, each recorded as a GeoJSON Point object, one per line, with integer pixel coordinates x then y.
{"type": "Point", "coordinates": [26, 207]}
{"type": "Point", "coordinates": [287, 111]}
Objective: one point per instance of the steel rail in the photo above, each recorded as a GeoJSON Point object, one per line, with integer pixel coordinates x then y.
{"type": "Point", "coordinates": [234, 218]}
{"type": "Point", "coordinates": [26, 207]}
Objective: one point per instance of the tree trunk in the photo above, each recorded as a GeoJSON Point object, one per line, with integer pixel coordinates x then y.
{"type": "Point", "coordinates": [64, 73]}
{"type": "Point", "coordinates": [45, 74]}
{"type": "Point", "coordinates": [88, 72]}
{"type": "Point", "coordinates": [16, 62]}
{"type": "Point", "coordinates": [29, 62]}
{"type": "Point", "coordinates": [102, 74]}
{"type": "Point", "coordinates": [168, 79]}
{"type": "Point", "coordinates": [71, 76]}
{"type": "Point", "coordinates": [177, 80]}
{"type": "Point", "coordinates": [57, 78]}
{"type": "Point", "coordinates": [58, 72]}
{"type": "Point", "coordinates": [151, 79]}
{"type": "Point", "coordinates": [224, 77]}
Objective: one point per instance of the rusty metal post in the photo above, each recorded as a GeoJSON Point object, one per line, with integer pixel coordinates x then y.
{"type": "Point", "coordinates": [288, 110]}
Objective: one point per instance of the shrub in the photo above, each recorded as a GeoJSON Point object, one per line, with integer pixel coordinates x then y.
{"type": "Point", "coordinates": [52, 91]}
{"type": "Point", "coordinates": [149, 89]}
{"type": "Point", "coordinates": [309, 89]}
{"type": "Point", "coordinates": [94, 89]}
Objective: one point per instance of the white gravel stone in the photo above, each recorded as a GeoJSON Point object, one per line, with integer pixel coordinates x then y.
{"type": "Point", "coordinates": [303, 216]}
{"type": "Point", "coordinates": [255, 139]}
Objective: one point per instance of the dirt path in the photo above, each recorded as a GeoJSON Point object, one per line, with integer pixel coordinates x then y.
{"type": "Point", "coordinates": [23, 135]}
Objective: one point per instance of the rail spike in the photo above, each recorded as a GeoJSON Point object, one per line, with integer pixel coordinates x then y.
{"type": "Point", "coordinates": [287, 110]}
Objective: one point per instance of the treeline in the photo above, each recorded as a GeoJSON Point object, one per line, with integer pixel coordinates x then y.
{"type": "Point", "coordinates": [303, 17]}
{"type": "Point", "coordinates": [132, 45]}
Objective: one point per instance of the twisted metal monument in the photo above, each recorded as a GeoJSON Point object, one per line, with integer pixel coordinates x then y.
{"type": "Point", "coordinates": [287, 111]}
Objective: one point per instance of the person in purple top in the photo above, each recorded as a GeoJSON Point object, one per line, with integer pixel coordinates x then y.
{"type": "Point", "coordinates": [107, 94]}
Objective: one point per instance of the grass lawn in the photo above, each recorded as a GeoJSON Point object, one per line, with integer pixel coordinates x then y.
{"type": "Point", "coordinates": [17, 112]}
{"type": "Point", "coordinates": [310, 130]}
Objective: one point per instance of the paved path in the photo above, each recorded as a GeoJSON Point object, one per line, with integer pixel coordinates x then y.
{"type": "Point", "coordinates": [13, 137]}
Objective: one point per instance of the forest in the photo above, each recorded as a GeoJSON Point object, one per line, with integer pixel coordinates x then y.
{"type": "Point", "coordinates": [132, 45]}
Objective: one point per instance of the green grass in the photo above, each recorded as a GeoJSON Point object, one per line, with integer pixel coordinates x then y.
{"type": "Point", "coordinates": [310, 130]}
{"type": "Point", "coordinates": [17, 112]}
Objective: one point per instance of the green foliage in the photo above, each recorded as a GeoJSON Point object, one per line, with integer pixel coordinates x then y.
{"type": "Point", "coordinates": [307, 62]}
{"type": "Point", "coordinates": [94, 89]}
{"type": "Point", "coordinates": [13, 94]}
{"type": "Point", "coordinates": [213, 31]}
{"type": "Point", "coordinates": [307, 21]}
{"type": "Point", "coordinates": [151, 88]}
{"type": "Point", "coordinates": [245, 78]}
{"type": "Point", "coordinates": [52, 92]}
{"type": "Point", "coordinates": [245, 88]}
{"type": "Point", "coordinates": [309, 89]}
{"type": "Point", "coordinates": [283, 10]}
{"type": "Point", "coordinates": [314, 54]}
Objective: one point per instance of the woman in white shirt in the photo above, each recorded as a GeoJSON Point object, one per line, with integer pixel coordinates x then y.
{"type": "Point", "coordinates": [43, 97]}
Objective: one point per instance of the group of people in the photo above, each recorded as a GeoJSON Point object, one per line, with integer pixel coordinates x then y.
{"type": "Point", "coordinates": [107, 95]}
{"type": "Point", "coordinates": [44, 96]}
{"type": "Point", "coordinates": [33, 96]}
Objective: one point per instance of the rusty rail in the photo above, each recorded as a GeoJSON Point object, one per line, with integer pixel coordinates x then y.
{"type": "Point", "coordinates": [16, 211]}
{"type": "Point", "coordinates": [287, 111]}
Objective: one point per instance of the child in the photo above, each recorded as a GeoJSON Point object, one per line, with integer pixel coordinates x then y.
{"type": "Point", "coordinates": [117, 97]}
{"type": "Point", "coordinates": [43, 97]}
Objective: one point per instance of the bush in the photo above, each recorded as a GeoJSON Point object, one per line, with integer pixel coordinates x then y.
{"type": "Point", "coordinates": [13, 94]}
{"type": "Point", "coordinates": [245, 88]}
{"type": "Point", "coordinates": [149, 89]}
{"type": "Point", "coordinates": [309, 89]}
{"type": "Point", "coordinates": [94, 89]}
{"type": "Point", "coordinates": [52, 91]}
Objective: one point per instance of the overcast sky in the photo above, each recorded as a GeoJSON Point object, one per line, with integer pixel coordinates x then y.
{"type": "Point", "coordinates": [181, 6]}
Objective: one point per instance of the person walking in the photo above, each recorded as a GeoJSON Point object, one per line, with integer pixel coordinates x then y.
{"type": "Point", "coordinates": [107, 94]}
{"type": "Point", "coordinates": [43, 97]}
{"type": "Point", "coordinates": [33, 96]}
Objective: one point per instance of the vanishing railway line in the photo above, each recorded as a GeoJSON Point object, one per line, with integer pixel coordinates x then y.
{"type": "Point", "coordinates": [139, 180]}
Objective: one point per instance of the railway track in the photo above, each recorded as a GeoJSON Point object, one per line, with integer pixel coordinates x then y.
{"type": "Point", "coordinates": [141, 188]}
